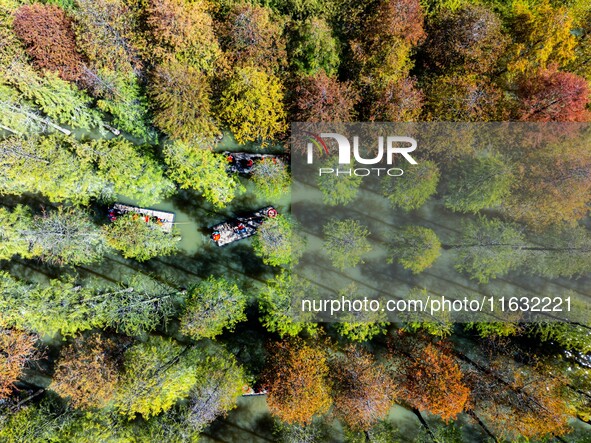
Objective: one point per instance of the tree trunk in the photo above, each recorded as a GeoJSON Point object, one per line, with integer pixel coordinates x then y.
{"type": "Point", "coordinates": [483, 426]}
{"type": "Point", "coordinates": [424, 423]}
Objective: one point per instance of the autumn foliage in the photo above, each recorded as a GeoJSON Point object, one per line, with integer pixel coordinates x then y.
{"type": "Point", "coordinates": [320, 98]}
{"type": "Point", "coordinates": [181, 99]}
{"type": "Point", "coordinates": [87, 372]}
{"type": "Point", "coordinates": [433, 382]}
{"type": "Point", "coordinates": [553, 95]}
{"type": "Point", "coordinates": [47, 33]}
{"type": "Point", "coordinates": [296, 379]}
{"type": "Point", "coordinates": [464, 98]}
{"type": "Point", "coordinates": [252, 36]}
{"type": "Point", "coordinates": [396, 19]}
{"type": "Point", "coordinates": [182, 30]}
{"type": "Point", "coordinates": [396, 101]}
{"type": "Point", "coordinates": [16, 349]}
{"type": "Point", "coordinates": [469, 38]}
{"type": "Point", "coordinates": [363, 389]}
{"type": "Point", "coordinates": [515, 400]}
{"type": "Point", "coordinates": [554, 185]}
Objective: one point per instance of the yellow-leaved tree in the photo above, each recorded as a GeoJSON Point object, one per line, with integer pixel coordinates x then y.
{"type": "Point", "coordinates": [252, 106]}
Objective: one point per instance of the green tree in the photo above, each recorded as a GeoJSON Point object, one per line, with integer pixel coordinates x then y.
{"type": "Point", "coordinates": [252, 106]}
{"type": "Point", "coordinates": [359, 326]}
{"type": "Point", "coordinates": [338, 189]}
{"type": "Point", "coordinates": [12, 224]}
{"type": "Point", "coordinates": [140, 239]}
{"type": "Point", "coordinates": [212, 306]}
{"type": "Point", "coordinates": [127, 170]}
{"type": "Point", "coordinates": [360, 331]}
{"type": "Point", "coordinates": [59, 100]}
{"type": "Point", "coordinates": [202, 170]}
{"type": "Point", "coordinates": [277, 242]}
{"type": "Point", "coordinates": [65, 236]}
{"type": "Point", "coordinates": [569, 336]}
{"type": "Point", "coordinates": [479, 183]}
{"type": "Point", "coordinates": [219, 384]}
{"type": "Point", "coordinates": [313, 47]}
{"type": "Point", "coordinates": [414, 188]}
{"type": "Point", "coordinates": [18, 116]}
{"type": "Point", "coordinates": [121, 96]}
{"type": "Point", "coordinates": [65, 169]}
{"type": "Point", "coordinates": [157, 374]}
{"type": "Point", "coordinates": [346, 243]}
{"type": "Point", "coordinates": [271, 178]}
{"type": "Point", "coordinates": [134, 307]}
{"type": "Point", "coordinates": [559, 251]}
{"type": "Point", "coordinates": [495, 329]}
{"type": "Point", "coordinates": [279, 301]}
{"type": "Point", "coordinates": [46, 166]}
{"type": "Point", "coordinates": [489, 248]}
{"type": "Point", "coordinates": [33, 423]}
{"type": "Point", "coordinates": [415, 248]}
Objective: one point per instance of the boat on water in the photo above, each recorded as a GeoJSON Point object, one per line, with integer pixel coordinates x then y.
{"type": "Point", "coordinates": [165, 220]}
{"type": "Point", "coordinates": [244, 162]}
{"type": "Point", "coordinates": [241, 227]}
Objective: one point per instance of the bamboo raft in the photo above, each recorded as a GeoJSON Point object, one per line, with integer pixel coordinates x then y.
{"type": "Point", "coordinates": [164, 219]}
{"type": "Point", "coordinates": [241, 227]}
{"type": "Point", "coordinates": [244, 162]}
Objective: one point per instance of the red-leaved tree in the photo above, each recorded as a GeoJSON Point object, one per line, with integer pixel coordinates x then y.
{"type": "Point", "coordinates": [553, 95]}
{"type": "Point", "coordinates": [320, 98]}
{"type": "Point", "coordinates": [47, 33]}
{"type": "Point", "coordinates": [363, 389]}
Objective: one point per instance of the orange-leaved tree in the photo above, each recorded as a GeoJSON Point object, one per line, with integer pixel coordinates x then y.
{"type": "Point", "coordinates": [433, 381]}
{"type": "Point", "coordinates": [516, 400]}
{"type": "Point", "coordinates": [296, 380]}
{"type": "Point", "coordinates": [16, 349]}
